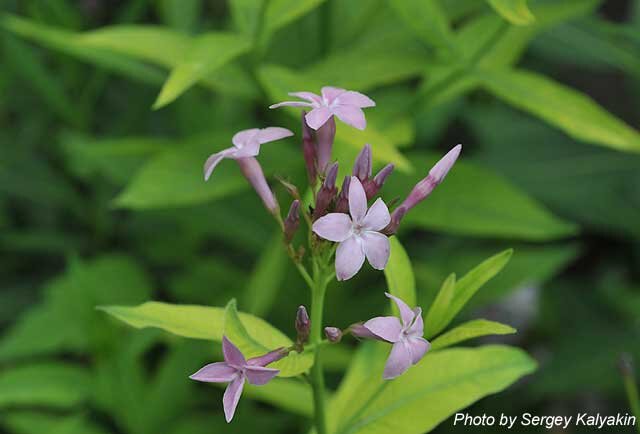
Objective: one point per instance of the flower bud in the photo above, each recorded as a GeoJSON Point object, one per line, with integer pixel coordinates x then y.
{"type": "Point", "coordinates": [436, 176]}
{"type": "Point", "coordinates": [360, 331]}
{"type": "Point", "coordinates": [325, 136]}
{"type": "Point", "coordinates": [309, 151]}
{"type": "Point", "coordinates": [292, 221]}
{"type": "Point", "coordinates": [327, 192]}
{"type": "Point", "coordinates": [333, 334]}
{"type": "Point", "coordinates": [396, 217]}
{"type": "Point", "coordinates": [253, 172]}
{"type": "Point", "coordinates": [373, 186]}
{"type": "Point", "coordinates": [342, 203]}
{"type": "Point", "coordinates": [270, 357]}
{"type": "Point", "coordinates": [362, 165]}
{"type": "Point", "coordinates": [303, 325]}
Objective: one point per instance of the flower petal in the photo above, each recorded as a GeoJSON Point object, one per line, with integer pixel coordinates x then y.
{"type": "Point", "coordinates": [214, 159]}
{"type": "Point", "coordinates": [417, 328]}
{"type": "Point", "coordinates": [385, 327]}
{"type": "Point", "coordinates": [377, 249]}
{"type": "Point", "coordinates": [333, 227]}
{"type": "Point", "coordinates": [231, 397]}
{"type": "Point", "coordinates": [291, 104]}
{"type": "Point", "coordinates": [377, 217]}
{"type": "Point", "coordinates": [357, 200]}
{"type": "Point", "coordinates": [258, 375]}
{"type": "Point", "coordinates": [330, 93]}
{"type": "Point", "coordinates": [318, 117]}
{"type": "Point", "coordinates": [350, 115]}
{"type": "Point", "coordinates": [232, 355]}
{"type": "Point", "coordinates": [349, 258]}
{"type": "Point", "coordinates": [219, 372]}
{"type": "Point", "coordinates": [418, 347]}
{"type": "Point", "coordinates": [309, 96]}
{"type": "Point", "coordinates": [249, 149]}
{"type": "Point", "coordinates": [356, 99]}
{"type": "Point", "coordinates": [406, 313]}
{"type": "Point", "coordinates": [399, 360]}
{"type": "Point", "coordinates": [241, 138]}
{"type": "Point", "coordinates": [270, 134]}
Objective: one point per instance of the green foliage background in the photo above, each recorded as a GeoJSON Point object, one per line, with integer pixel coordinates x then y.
{"type": "Point", "coordinates": [109, 109]}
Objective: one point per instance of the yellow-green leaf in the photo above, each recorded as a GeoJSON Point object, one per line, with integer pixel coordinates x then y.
{"type": "Point", "coordinates": [470, 330]}
{"type": "Point", "coordinates": [399, 275]}
{"type": "Point", "coordinates": [515, 11]}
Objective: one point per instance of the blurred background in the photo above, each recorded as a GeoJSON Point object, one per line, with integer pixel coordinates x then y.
{"type": "Point", "coordinates": [102, 199]}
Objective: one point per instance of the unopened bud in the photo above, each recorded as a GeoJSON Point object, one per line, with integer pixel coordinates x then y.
{"type": "Point", "coordinates": [292, 221]}
{"type": "Point", "coordinates": [309, 151]}
{"type": "Point", "coordinates": [362, 165]}
{"type": "Point", "coordinates": [435, 177]}
{"type": "Point", "coordinates": [327, 192]}
{"type": "Point", "coordinates": [303, 325]}
{"type": "Point", "coordinates": [333, 334]}
{"type": "Point", "coordinates": [396, 218]}
{"type": "Point", "coordinates": [270, 357]}
{"type": "Point", "coordinates": [253, 172]}
{"type": "Point", "coordinates": [342, 203]}
{"type": "Point", "coordinates": [325, 136]}
{"type": "Point", "coordinates": [373, 186]}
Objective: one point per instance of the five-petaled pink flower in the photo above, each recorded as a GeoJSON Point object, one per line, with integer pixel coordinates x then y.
{"type": "Point", "coordinates": [347, 105]}
{"type": "Point", "coordinates": [359, 236]}
{"type": "Point", "coordinates": [235, 370]}
{"type": "Point", "coordinates": [405, 334]}
{"type": "Point", "coordinates": [245, 144]}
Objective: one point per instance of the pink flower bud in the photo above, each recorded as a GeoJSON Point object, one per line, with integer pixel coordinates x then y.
{"type": "Point", "coordinates": [333, 334]}
{"type": "Point", "coordinates": [325, 136]}
{"type": "Point", "coordinates": [435, 177]}
{"type": "Point", "coordinates": [362, 165]}
{"type": "Point", "coordinates": [303, 325]}
{"type": "Point", "coordinates": [396, 218]}
{"type": "Point", "coordinates": [270, 357]}
{"type": "Point", "coordinates": [292, 221]}
{"type": "Point", "coordinates": [253, 172]}
{"type": "Point", "coordinates": [327, 192]}
{"type": "Point", "coordinates": [309, 151]}
{"type": "Point", "coordinates": [342, 203]}
{"type": "Point", "coordinates": [373, 186]}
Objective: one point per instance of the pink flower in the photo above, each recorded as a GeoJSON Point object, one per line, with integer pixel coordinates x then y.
{"type": "Point", "coordinates": [358, 235]}
{"type": "Point", "coordinates": [405, 334]}
{"type": "Point", "coordinates": [245, 144]}
{"type": "Point", "coordinates": [235, 370]}
{"type": "Point", "coordinates": [347, 105]}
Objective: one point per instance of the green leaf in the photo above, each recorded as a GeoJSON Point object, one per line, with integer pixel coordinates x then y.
{"type": "Point", "coordinates": [279, 13]}
{"type": "Point", "coordinates": [439, 308]}
{"type": "Point", "coordinates": [48, 384]}
{"type": "Point", "coordinates": [399, 275]}
{"type": "Point", "coordinates": [465, 288]}
{"type": "Point", "coordinates": [200, 322]}
{"type": "Point", "coordinates": [204, 56]}
{"type": "Point", "coordinates": [427, 20]}
{"type": "Point", "coordinates": [69, 43]}
{"type": "Point", "coordinates": [292, 365]}
{"type": "Point", "coordinates": [32, 422]}
{"type": "Point", "coordinates": [464, 376]}
{"type": "Point", "coordinates": [279, 81]}
{"type": "Point", "coordinates": [289, 394]}
{"type": "Point", "coordinates": [246, 15]}
{"type": "Point", "coordinates": [470, 330]}
{"type": "Point", "coordinates": [267, 276]}
{"type": "Point", "coordinates": [478, 202]}
{"type": "Point", "coordinates": [515, 11]}
{"type": "Point", "coordinates": [156, 44]}
{"type": "Point", "coordinates": [565, 108]}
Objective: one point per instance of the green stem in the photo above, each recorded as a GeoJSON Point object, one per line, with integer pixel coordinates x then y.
{"type": "Point", "coordinates": [317, 373]}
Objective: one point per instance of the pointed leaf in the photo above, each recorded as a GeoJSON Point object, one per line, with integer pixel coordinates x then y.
{"type": "Point", "coordinates": [515, 11]}
{"type": "Point", "coordinates": [427, 20]}
{"type": "Point", "coordinates": [399, 275]}
{"type": "Point", "coordinates": [438, 311]}
{"type": "Point", "coordinates": [470, 330]}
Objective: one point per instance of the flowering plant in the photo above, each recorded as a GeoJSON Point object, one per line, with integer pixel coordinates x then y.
{"type": "Point", "coordinates": [345, 227]}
